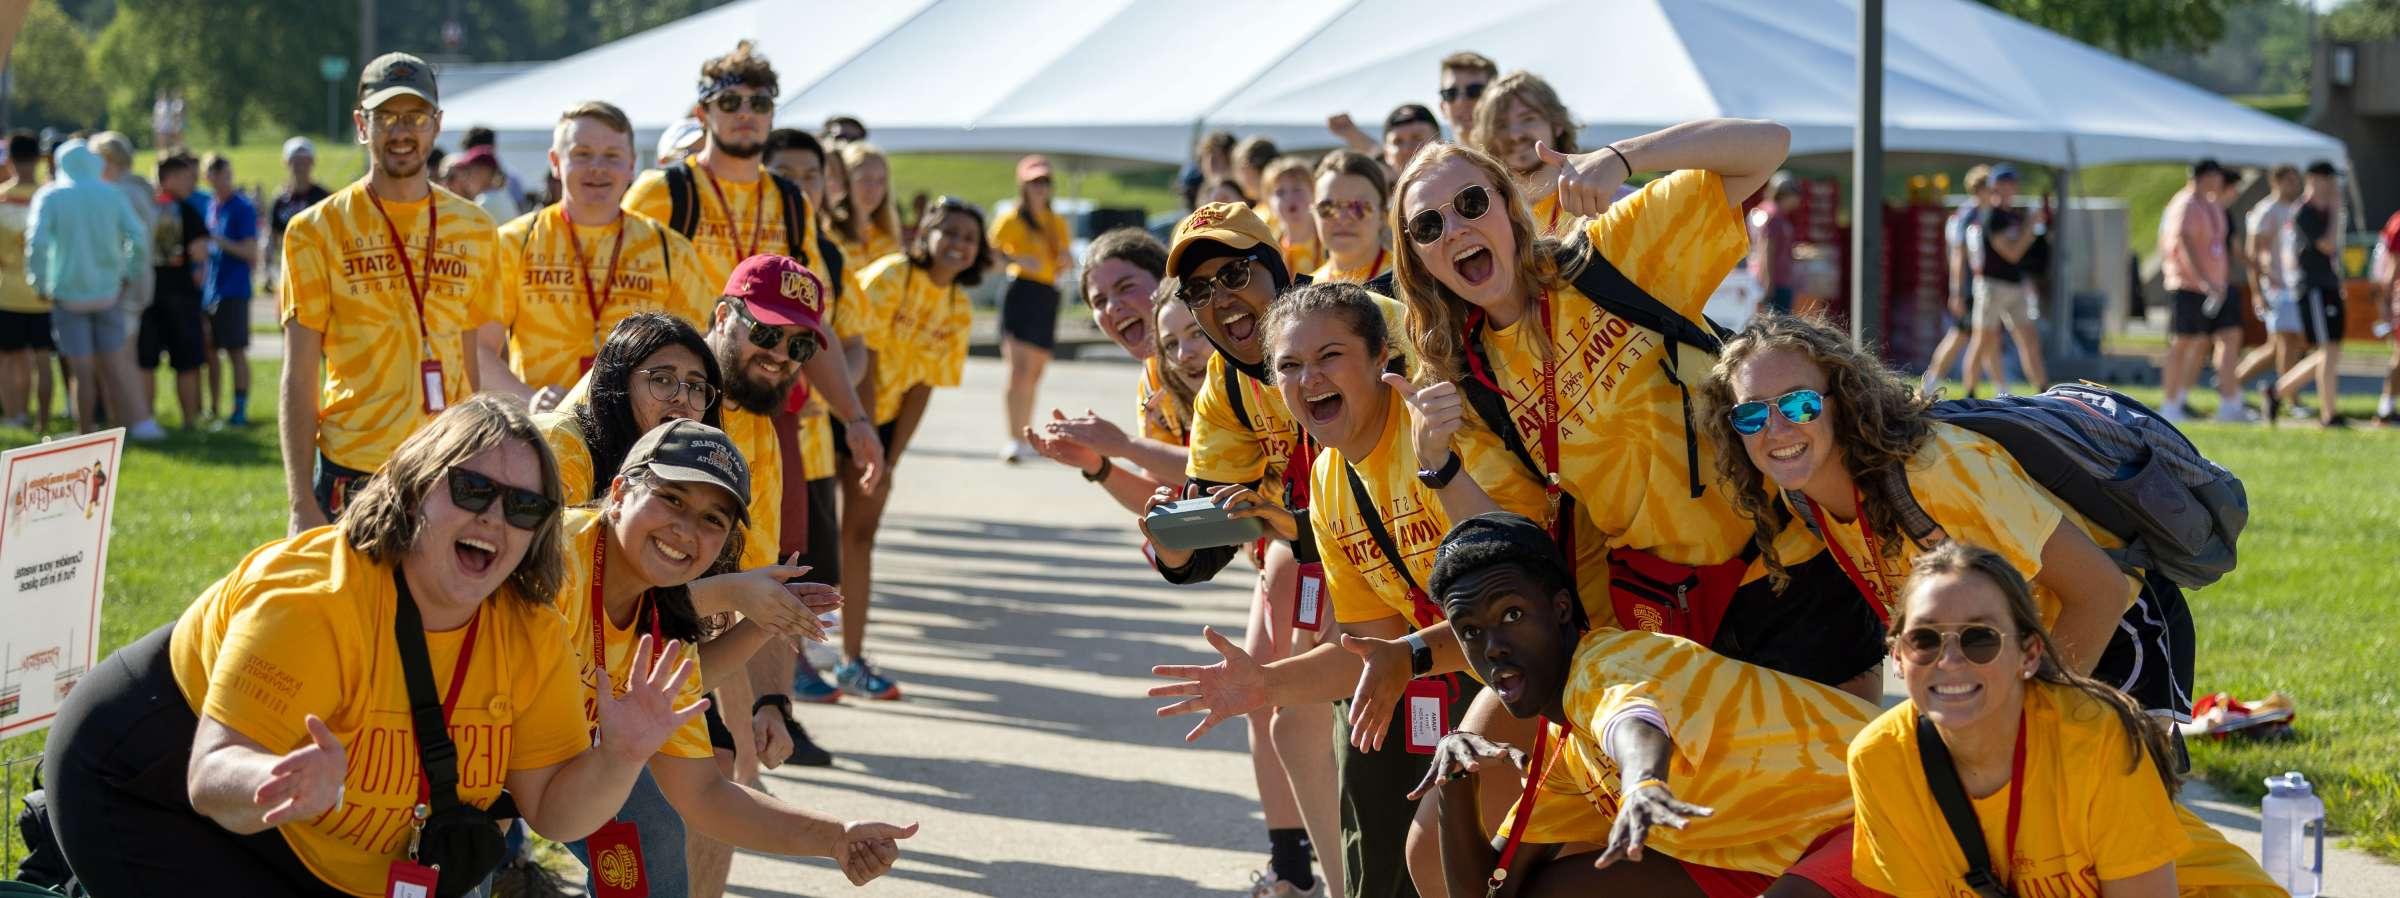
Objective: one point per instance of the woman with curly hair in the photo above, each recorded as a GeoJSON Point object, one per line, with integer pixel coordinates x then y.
{"type": "Point", "coordinates": [1832, 439]}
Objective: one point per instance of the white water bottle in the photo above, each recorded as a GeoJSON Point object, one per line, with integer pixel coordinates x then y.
{"type": "Point", "coordinates": [2292, 835]}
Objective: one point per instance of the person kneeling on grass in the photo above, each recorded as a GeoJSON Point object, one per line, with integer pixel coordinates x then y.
{"type": "Point", "coordinates": [1691, 774]}
{"type": "Point", "coordinates": [2076, 775]}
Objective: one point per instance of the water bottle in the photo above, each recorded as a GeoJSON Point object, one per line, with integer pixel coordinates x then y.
{"type": "Point", "coordinates": [2292, 835]}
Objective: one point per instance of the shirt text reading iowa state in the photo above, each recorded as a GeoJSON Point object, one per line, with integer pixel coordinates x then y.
{"type": "Point", "coordinates": [569, 277]}
{"type": "Point", "coordinates": [382, 262]}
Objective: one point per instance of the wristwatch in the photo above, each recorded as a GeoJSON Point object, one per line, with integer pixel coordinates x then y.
{"type": "Point", "coordinates": [1440, 478]}
{"type": "Point", "coordinates": [1420, 655]}
{"type": "Point", "coordinates": [1101, 473]}
{"type": "Point", "coordinates": [782, 703]}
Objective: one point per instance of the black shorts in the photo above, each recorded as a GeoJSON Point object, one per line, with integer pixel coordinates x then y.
{"type": "Point", "coordinates": [1819, 627]}
{"type": "Point", "coordinates": [841, 444]}
{"type": "Point", "coordinates": [719, 737]}
{"type": "Point", "coordinates": [229, 323]}
{"type": "Point", "coordinates": [2150, 656]}
{"type": "Point", "coordinates": [20, 331]}
{"type": "Point", "coordinates": [2188, 315]}
{"type": "Point", "coordinates": [1029, 313]}
{"type": "Point", "coordinates": [171, 328]}
{"type": "Point", "coordinates": [2321, 316]}
{"type": "Point", "coordinates": [823, 554]}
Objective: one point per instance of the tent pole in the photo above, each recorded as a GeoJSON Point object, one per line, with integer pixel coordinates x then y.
{"type": "Point", "coordinates": [2060, 305]}
{"type": "Point", "coordinates": [1866, 182]}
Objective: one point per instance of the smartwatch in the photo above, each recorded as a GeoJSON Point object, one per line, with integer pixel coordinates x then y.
{"type": "Point", "coordinates": [1441, 477]}
{"type": "Point", "coordinates": [1420, 655]}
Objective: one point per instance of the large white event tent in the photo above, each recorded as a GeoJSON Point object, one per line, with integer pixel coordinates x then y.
{"type": "Point", "coordinates": [1138, 79]}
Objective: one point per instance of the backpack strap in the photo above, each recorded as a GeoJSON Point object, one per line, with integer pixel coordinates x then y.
{"type": "Point", "coordinates": [1492, 408]}
{"type": "Point", "coordinates": [1599, 279]}
{"type": "Point", "coordinates": [683, 212]}
{"type": "Point", "coordinates": [1941, 776]}
{"type": "Point", "coordinates": [796, 241]}
{"type": "Point", "coordinates": [1376, 530]}
{"type": "Point", "coordinates": [1233, 397]}
{"type": "Point", "coordinates": [829, 252]}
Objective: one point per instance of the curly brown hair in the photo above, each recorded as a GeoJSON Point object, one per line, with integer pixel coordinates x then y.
{"type": "Point", "coordinates": [1877, 419]}
{"type": "Point", "coordinates": [744, 66]}
{"type": "Point", "coordinates": [1434, 313]}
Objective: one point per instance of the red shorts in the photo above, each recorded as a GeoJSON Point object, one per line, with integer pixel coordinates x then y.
{"type": "Point", "coordinates": [1826, 864]}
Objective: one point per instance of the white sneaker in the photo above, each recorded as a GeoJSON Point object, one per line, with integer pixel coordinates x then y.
{"type": "Point", "coordinates": [1266, 885]}
{"type": "Point", "coordinates": [146, 431]}
{"type": "Point", "coordinates": [2173, 411]}
{"type": "Point", "coordinates": [2235, 413]}
{"type": "Point", "coordinates": [1017, 451]}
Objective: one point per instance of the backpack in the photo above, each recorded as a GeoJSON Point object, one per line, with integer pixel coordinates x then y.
{"type": "Point", "coordinates": [2115, 462]}
{"type": "Point", "coordinates": [684, 216]}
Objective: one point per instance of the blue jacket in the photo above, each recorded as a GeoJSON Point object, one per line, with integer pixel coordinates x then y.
{"type": "Point", "coordinates": [83, 241]}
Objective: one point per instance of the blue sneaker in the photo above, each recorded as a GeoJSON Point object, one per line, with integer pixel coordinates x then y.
{"type": "Point", "coordinates": [860, 678]}
{"type": "Point", "coordinates": [810, 686]}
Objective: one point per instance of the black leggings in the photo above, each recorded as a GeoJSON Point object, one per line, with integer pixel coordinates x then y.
{"type": "Point", "coordinates": [115, 768]}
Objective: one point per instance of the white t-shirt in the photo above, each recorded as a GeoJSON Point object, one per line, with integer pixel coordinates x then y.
{"type": "Point", "coordinates": [2268, 217]}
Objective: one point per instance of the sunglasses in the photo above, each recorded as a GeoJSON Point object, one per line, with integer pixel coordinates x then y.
{"type": "Point", "coordinates": [417, 120]}
{"type": "Point", "coordinates": [1471, 91]}
{"type": "Point", "coordinates": [1923, 646]}
{"type": "Point", "coordinates": [1353, 210]}
{"type": "Point", "coordinates": [800, 347]}
{"type": "Point", "coordinates": [1427, 226]}
{"type": "Point", "coordinates": [1198, 292]}
{"type": "Point", "coordinates": [666, 387]}
{"type": "Point", "coordinates": [524, 509]}
{"type": "Point", "coordinates": [732, 102]}
{"type": "Point", "coordinates": [1797, 406]}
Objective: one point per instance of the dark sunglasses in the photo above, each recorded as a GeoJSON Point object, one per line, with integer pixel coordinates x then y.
{"type": "Point", "coordinates": [666, 387]}
{"type": "Point", "coordinates": [1922, 646]}
{"type": "Point", "coordinates": [800, 347]}
{"type": "Point", "coordinates": [1427, 226]}
{"type": "Point", "coordinates": [1198, 292]}
{"type": "Point", "coordinates": [732, 102]}
{"type": "Point", "coordinates": [1472, 91]}
{"type": "Point", "coordinates": [1797, 406]}
{"type": "Point", "coordinates": [524, 509]}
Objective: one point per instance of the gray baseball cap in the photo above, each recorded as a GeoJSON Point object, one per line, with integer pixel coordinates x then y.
{"type": "Point", "coordinates": [687, 451]}
{"type": "Point", "coordinates": [394, 74]}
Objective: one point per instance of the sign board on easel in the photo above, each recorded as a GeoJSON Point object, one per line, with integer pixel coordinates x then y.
{"type": "Point", "coordinates": [53, 553]}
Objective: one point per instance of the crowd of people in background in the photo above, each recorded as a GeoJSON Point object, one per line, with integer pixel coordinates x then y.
{"type": "Point", "coordinates": [1556, 584]}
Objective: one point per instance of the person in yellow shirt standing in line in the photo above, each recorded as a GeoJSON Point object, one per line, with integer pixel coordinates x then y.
{"type": "Point", "coordinates": [1352, 193]}
{"type": "Point", "coordinates": [572, 270]}
{"type": "Point", "coordinates": [2069, 785]}
{"type": "Point", "coordinates": [1288, 207]}
{"type": "Point", "coordinates": [385, 283]}
{"type": "Point", "coordinates": [25, 344]}
{"type": "Point", "coordinates": [870, 223]}
{"type": "Point", "coordinates": [1036, 243]}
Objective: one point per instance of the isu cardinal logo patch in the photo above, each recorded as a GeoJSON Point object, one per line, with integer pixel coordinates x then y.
{"type": "Point", "coordinates": [802, 287]}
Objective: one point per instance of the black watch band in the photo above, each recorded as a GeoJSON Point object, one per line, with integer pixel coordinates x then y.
{"type": "Point", "coordinates": [1440, 479]}
{"type": "Point", "coordinates": [781, 702]}
{"type": "Point", "coordinates": [1420, 655]}
{"type": "Point", "coordinates": [1101, 473]}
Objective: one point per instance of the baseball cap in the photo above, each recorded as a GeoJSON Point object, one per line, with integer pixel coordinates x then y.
{"type": "Point", "coordinates": [299, 146]}
{"type": "Point", "coordinates": [677, 138]}
{"type": "Point", "coordinates": [2003, 172]}
{"type": "Point", "coordinates": [476, 156]}
{"type": "Point", "coordinates": [1493, 539]}
{"type": "Point", "coordinates": [1409, 114]}
{"type": "Point", "coordinates": [1031, 167]}
{"type": "Point", "coordinates": [687, 451]}
{"type": "Point", "coordinates": [392, 75]}
{"type": "Point", "coordinates": [1231, 225]}
{"type": "Point", "coordinates": [780, 292]}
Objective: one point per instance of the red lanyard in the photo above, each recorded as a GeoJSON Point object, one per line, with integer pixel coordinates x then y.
{"type": "Point", "coordinates": [600, 615]}
{"type": "Point", "coordinates": [1296, 468]}
{"type": "Point", "coordinates": [1540, 768]}
{"type": "Point", "coordinates": [598, 300]}
{"type": "Point", "coordinates": [416, 290]}
{"type": "Point", "coordinates": [1476, 368]}
{"type": "Point", "coordinates": [1875, 591]}
{"type": "Point", "coordinates": [758, 206]}
{"type": "Point", "coordinates": [458, 681]}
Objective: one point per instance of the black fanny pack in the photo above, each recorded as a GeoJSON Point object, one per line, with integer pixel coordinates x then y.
{"type": "Point", "coordinates": [460, 841]}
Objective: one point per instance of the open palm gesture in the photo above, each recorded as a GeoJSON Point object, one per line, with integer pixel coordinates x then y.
{"type": "Point", "coordinates": [1225, 690]}
{"type": "Point", "coordinates": [634, 725]}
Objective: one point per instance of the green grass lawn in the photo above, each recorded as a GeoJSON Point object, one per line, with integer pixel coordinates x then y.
{"type": "Point", "coordinates": [2308, 613]}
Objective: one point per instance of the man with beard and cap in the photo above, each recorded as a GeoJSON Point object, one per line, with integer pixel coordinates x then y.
{"type": "Point", "coordinates": [384, 284]}
{"type": "Point", "coordinates": [1688, 772]}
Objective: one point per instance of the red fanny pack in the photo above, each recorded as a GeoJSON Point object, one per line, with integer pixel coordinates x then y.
{"type": "Point", "coordinates": [1661, 596]}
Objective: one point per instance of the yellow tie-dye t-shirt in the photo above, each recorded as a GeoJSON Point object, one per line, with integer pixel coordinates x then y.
{"type": "Point", "coordinates": [1977, 494]}
{"type": "Point", "coordinates": [817, 459]}
{"type": "Point", "coordinates": [754, 436]}
{"type": "Point", "coordinates": [917, 329]}
{"type": "Point", "coordinates": [1048, 244]}
{"type": "Point", "coordinates": [1764, 749]}
{"type": "Point", "coordinates": [344, 280]}
{"type": "Point", "coordinates": [1622, 439]}
{"type": "Point", "coordinates": [1163, 416]}
{"type": "Point", "coordinates": [2095, 810]}
{"type": "Point", "coordinates": [735, 217]}
{"type": "Point", "coordinates": [1224, 450]}
{"type": "Point", "coordinates": [581, 528]}
{"type": "Point", "coordinates": [303, 625]}
{"type": "Point", "coordinates": [552, 332]}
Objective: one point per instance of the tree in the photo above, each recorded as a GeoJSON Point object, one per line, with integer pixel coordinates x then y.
{"type": "Point", "coordinates": [2364, 20]}
{"type": "Point", "coordinates": [50, 73]}
{"type": "Point", "coordinates": [234, 62]}
{"type": "Point", "coordinates": [2265, 50]}
{"type": "Point", "coordinates": [2128, 26]}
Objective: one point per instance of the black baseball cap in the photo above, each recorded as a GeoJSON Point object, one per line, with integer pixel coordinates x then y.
{"type": "Point", "coordinates": [394, 74]}
{"type": "Point", "coordinates": [687, 451]}
{"type": "Point", "coordinates": [1409, 114]}
{"type": "Point", "coordinates": [1493, 539]}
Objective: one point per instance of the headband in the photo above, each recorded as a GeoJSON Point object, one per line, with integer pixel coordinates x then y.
{"type": "Point", "coordinates": [710, 87]}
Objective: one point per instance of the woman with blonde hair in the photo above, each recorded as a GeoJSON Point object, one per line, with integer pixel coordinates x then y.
{"type": "Point", "coordinates": [868, 227]}
{"type": "Point", "coordinates": [1289, 196]}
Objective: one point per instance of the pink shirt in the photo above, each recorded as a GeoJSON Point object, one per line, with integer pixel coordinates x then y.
{"type": "Point", "coordinates": [2190, 221]}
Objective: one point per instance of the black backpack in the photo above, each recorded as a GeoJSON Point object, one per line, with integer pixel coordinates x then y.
{"type": "Point", "coordinates": [684, 216]}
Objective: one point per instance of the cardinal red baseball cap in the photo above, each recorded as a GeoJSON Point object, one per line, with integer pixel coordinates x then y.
{"type": "Point", "coordinates": [780, 291]}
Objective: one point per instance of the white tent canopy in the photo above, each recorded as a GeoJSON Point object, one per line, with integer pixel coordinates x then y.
{"type": "Point", "coordinates": [1137, 79]}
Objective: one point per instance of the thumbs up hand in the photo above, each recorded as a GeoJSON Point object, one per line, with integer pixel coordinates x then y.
{"type": "Point", "coordinates": [1435, 414]}
{"type": "Point", "coordinates": [1587, 182]}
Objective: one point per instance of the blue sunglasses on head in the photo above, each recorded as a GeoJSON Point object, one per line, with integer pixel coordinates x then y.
{"type": "Point", "coordinates": [1797, 406]}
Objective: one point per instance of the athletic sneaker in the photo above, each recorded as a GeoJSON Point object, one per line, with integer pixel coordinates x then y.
{"type": "Point", "coordinates": [2235, 413]}
{"type": "Point", "coordinates": [810, 686]}
{"type": "Point", "coordinates": [1017, 451]}
{"type": "Point", "coordinates": [805, 751]}
{"type": "Point", "coordinates": [2390, 420]}
{"type": "Point", "coordinates": [146, 431]}
{"type": "Point", "coordinates": [1265, 885]}
{"type": "Point", "coordinates": [859, 677]}
{"type": "Point", "coordinates": [2174, 412]}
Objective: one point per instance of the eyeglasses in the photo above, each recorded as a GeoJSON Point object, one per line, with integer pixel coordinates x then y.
{"type": "Point", "coordinates": [666, 387]}
{"type": "Point", "coordinates": [1353, 210]}
{"type": "Point", "coordinates": [1427, 226]}
{"type": "Point", "coordinates": [1472, 91]}
{"type": "Point", "coordinates": [1923, 645]}
{"type": "Point", "coordinates": [524, 509]}
{"type": "Point", "coordinates": [800, 347]}
{"type": "Point", "coordinates": [413, 120]}
{"type": "Point", "coordinates": [1797, 406]}
{"type": "Point", "coordinates": [1198, 292]}
{"type": "Point", "coordinates": [732, 102]}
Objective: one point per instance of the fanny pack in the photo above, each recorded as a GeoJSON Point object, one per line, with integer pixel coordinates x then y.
{"type": "Point", "coordinates": [459, 840]}
{"type": "Point", "coordinates": [1661, 596]}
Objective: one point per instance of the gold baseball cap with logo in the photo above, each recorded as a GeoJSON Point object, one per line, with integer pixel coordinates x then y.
{"type": "Point", "coordinates": [1230, 224]}
{"type": "Point", "coordinates": [395, 74]}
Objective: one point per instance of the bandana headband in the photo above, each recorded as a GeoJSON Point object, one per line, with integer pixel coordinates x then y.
{"type": "Point", "coordinates": [710, 87]}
